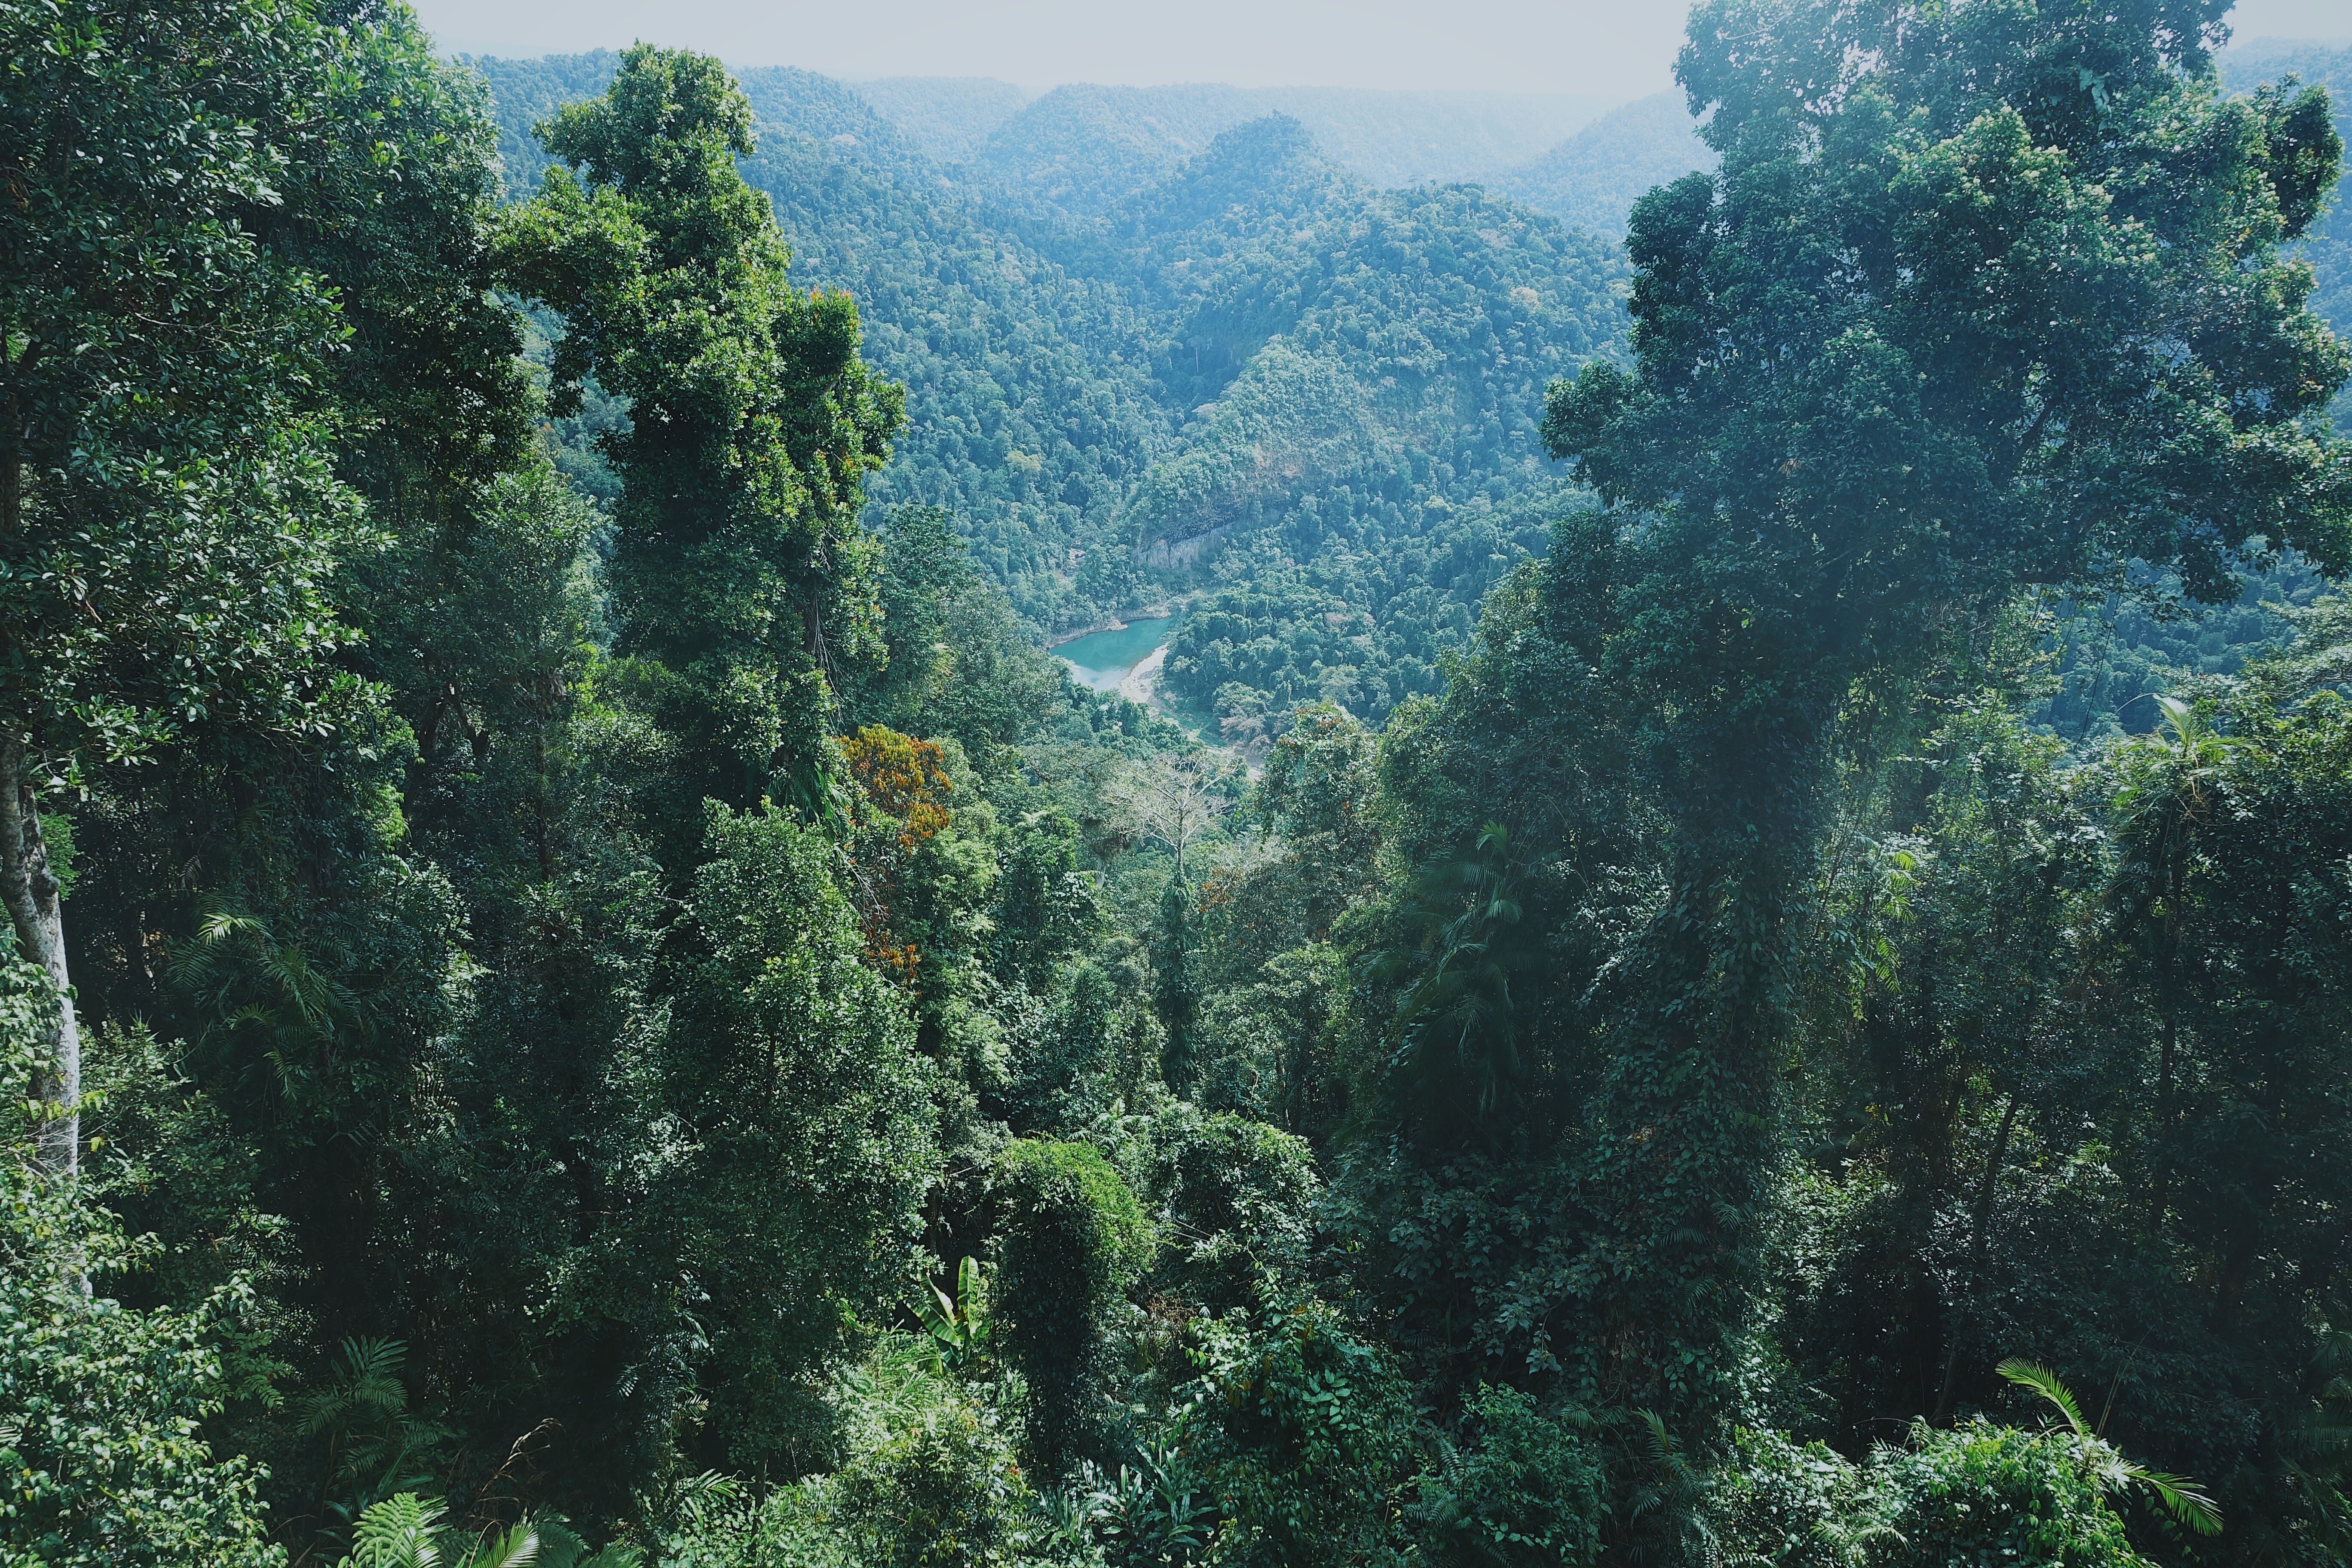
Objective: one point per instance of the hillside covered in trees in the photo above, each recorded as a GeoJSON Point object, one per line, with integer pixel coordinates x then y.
{"type": "Point", "coordinates": [1303, 404]}
{"type": "Point", "coordinates": [1243, 361]}
{"type": "Point", "coordinates": [1736, 945]}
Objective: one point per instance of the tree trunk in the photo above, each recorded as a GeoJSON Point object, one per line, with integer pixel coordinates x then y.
{"type": "Point", "coordinates": [29, 889]}
{"type": "Point", "coordinates": [1976, 1248]}
{"type": "Point", "coordinates": [2163, 1141]}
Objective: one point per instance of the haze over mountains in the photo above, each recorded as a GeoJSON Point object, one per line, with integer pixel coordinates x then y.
{"type": "Point", "coordinates": [1388, 138]}
{"type": "Point", "coordinates": [2329, 248]}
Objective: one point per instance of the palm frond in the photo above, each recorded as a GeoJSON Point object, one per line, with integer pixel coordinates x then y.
{"type": "Point", "coordinates": [2181, 1499]}
{"type": "Point", "coordinates": [2043, 1381]}
{"type": "Point", "coordinates": [518, 1547]}
{"type": "Point", "coordinates": [2180, 1495]}
{"type": "Point", "coordinates": [558, 1546]}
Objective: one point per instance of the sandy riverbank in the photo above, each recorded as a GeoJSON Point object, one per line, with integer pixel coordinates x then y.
{"type": "Point", "coordinates": [1141, 686]}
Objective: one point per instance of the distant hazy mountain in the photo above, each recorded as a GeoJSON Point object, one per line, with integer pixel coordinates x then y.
{"type": "Point", "coordinates": [1163, 341]}
{"type": "Point", "coordinates": [1595, 176]}
{"type": "Point", "coordinates": [528, 91]}
{"type": "Point", "coordinates": [1085, 146]}
{"type": "Point", "coordinates": [949, 117]}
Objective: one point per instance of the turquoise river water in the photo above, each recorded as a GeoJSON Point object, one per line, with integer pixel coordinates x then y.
{"type": "Point", "coordinates": [1102, 659]}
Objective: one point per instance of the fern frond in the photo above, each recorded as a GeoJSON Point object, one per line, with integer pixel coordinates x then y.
{"type": "Point", "coordinates": [398, 1532]}
{"type": "Point", "coordinates": [1662, 1443]}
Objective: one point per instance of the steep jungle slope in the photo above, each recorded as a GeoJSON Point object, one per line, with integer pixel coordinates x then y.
{"type": "Point", "coordinates": [1364, 383]}
{"type": "Point", "coordinates": [1030, 412]}
{"type": "Point", "coordinates": [1262, 355]}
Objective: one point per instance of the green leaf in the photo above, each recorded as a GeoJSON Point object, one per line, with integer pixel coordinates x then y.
{"type": "Point", "coordinates": [2043, 1381]}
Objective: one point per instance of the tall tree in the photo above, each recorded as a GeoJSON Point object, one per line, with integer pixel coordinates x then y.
{"type": "Point", "coordinates": [739, 574]}
{"type": "Point", "coordinates": [169, 515]}
{"type": "Point", "coordinates": [1981, 298]}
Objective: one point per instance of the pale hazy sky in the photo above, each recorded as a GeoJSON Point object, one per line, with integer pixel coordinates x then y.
{"type": "Point", "coordinates": [1620, 48]}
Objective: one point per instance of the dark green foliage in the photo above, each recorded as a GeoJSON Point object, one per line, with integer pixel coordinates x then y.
{"type": "Point", "coordinates": [1273, 1040]}
{"type": "Point", "coordinates": [103, 1458]}
{"type": "Point", "coordinates": [790, 1183]}
{"type": "Point", "coordinates": [945, 1492]}
{"type": "Point", "coordinates": [1612, 1040]}
{"type": "Point", "coordinates": [1299, 1429]}
{"type": "Point", "coordinates": [170, 517]}
{"type": "Point", "coordinates": [1045, 908]}
{"type": "Point", "coordinates": [1791, 1505]}
{"type": "Point", "coordinates": [1236, 1200]}
{"type": "Point", "coordinates": [1852, 417]}
{"type": "Point", "coordinates": [738, 570]}
{"type": "Point", "coordinates": [1474, 963]}
{"type": "Point", "coordinates": [957, 661]}
{"type": "Point", "coordinates": [387, 195]}
{"type": "Point", "coordinates": [165, 1161]}
{"type": "Point", "coordinates": [1525, 1487]}
{"type": "Point", "coordinates": [1071, 1240]}
{"type": "Point", "coordinates": [1175, 989]}
{"type": "Point", "coordinates": [2116, 657]}
{"type": "Point", "coordinates": [2014, 1148]}
{"type": "Point", "coordinates": [164, 490]}
{"type": "Point", "coordinates": [486, 644]}
{"type": "Point", "coordinates": [1975, 1494]}
{"type": "Point", "coordinates": [1989, 1494]}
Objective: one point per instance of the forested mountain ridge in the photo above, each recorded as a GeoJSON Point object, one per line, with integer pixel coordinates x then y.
{"type": "Point", "coordinates": [1593, 178]}
{"type": "Point", "coordinates": [1156, 306]}
{"type": "Point", "coordinates": [1097, 396]}
{"type": "Point", "coordinates": [950, 118]}
{"type": "Point", "coordinates": [583, 993]}
{"type": "Point", "coordinates": [1387, 138]}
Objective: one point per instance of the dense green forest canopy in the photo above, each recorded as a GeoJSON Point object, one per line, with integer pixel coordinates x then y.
{"type": "Point", "coordinates": [1068, 372]}
{"type": "Point", "coordinates": [1256, 355]}
{"type": "Point", "coordinates": [1733, 942]}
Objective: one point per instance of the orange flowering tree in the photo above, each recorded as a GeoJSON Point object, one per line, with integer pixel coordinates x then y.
{"type": "Point", "coordinates": [924, 873]}
{"type": "Point", "coordinates": [902, 786]}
